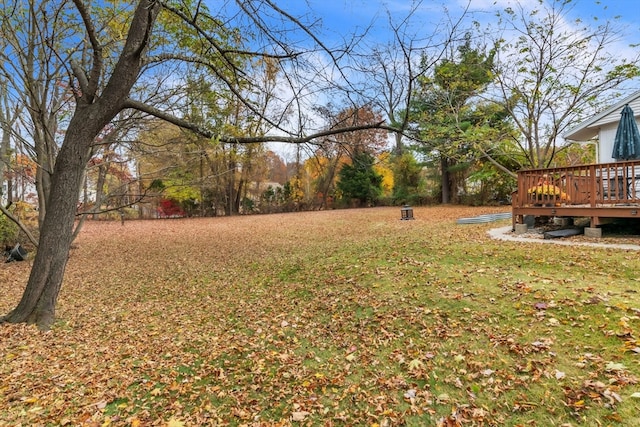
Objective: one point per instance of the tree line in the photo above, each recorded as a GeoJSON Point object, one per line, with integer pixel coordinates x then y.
{"type": "Point", "coordinates": [104, 106]}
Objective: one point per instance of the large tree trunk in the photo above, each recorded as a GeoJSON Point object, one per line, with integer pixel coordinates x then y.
{"type": "Point", "coordinates": [39, 299]}
{"type": "Point", "coordinates": [92, 114]}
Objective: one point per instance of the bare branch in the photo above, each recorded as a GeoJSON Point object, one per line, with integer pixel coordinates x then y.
{"type": "Point", "coordinates": [89, 85]}
{"type": "Point", "coordinates": [185, 124]}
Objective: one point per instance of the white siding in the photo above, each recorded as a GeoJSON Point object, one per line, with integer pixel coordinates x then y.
{"type": "Point", "coordinates": [605, 148]}
{"type": "Point", "coordinates": [607, 134]}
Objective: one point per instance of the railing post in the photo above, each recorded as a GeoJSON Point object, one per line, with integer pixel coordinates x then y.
{"type": "Point", "coordinates": [592, 185]}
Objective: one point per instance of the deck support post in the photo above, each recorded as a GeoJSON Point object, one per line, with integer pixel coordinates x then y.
{"type": "Point", "coordinates": [521, 228]}
{"type": "Point", "coordinates": [593, 232]}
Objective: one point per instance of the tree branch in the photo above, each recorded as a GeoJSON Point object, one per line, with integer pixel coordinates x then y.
{"type": "Point", "coordinates": [89, 85]}
{"type": "Point", "coordinates": [185, 124]}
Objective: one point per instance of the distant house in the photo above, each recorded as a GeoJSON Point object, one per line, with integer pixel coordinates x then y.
{"type": "Point", "coordinates": [602, 127]}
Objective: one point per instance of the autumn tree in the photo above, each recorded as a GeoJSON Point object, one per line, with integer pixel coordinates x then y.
{"type": "Point", "coordinates": [323, 164]}
{"type": "Point", "coordinates": [9, 113]}
{"type": "Point", "coordinates": [169, 167]}
{"type": "Point", "coordinates": [337, 150]}
{"type": "Point", "coordinates": [408, 183]}
{"type": "Point", "coordinates": [214, 105]}
{"type": "Point", "coordinates": [276, 167]}
{"type": "Point", "coordinates": [552, 71]}
{"type": "Point", "coordinates": [393, 71]}
{"type": "Point", "coordinates": [109, 184]}
{"type": "Point", "coordinates": [40, 50]}
{"type": "Point", "coordinates": [194, 173]}
{"type": "Point", "coordinates": [447, 112]}
{"type": "Point", "coordinates": [17, 174]}
{"type": "Point", "coordinates": [102, 68]}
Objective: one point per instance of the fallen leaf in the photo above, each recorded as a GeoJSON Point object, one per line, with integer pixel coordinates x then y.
{"type": "Point", "coordinates": [175, 423]}
{"type": "Point", "coordinates": [299, 415]}
{"type": "Point", "coordinates": [415, 364]}
{"type": "Point", "coordinates": [443, 398]}
{"type": "Point", "coordinates": [410, 394]}
{"type": "Point", "coordinates": [611, 366]}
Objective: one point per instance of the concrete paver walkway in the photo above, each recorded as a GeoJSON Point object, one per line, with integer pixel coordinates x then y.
{"type": "Point", "coordinates": [505, 233]}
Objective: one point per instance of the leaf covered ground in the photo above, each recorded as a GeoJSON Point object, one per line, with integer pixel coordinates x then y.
{"type": "Point", "coordinates": [332, 318]}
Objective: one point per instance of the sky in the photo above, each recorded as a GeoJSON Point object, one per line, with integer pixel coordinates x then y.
{"type": "Point", "coordinates": [342, 16]}
{"type": "Point", "coordinates": [337, 20]}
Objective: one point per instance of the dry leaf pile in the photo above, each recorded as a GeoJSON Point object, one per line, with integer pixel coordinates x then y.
{"type": "Point", "coordinates": [326, 318]}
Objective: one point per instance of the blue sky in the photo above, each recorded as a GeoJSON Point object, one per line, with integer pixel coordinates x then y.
{"type": "Point", "coordinates": [341, 17]}
{"type": "Point", "coordinates": [338, 19]}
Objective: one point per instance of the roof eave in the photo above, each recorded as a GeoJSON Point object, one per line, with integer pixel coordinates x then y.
{"type": "Point", "coordinates": [578, 132]}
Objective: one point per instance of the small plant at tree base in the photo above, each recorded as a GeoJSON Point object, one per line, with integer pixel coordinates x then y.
{"type": "Point", "coordinates": [8, 231]}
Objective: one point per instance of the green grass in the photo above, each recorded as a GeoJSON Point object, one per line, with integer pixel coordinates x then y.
{"type": "Point", "coordinates": [333, 318]}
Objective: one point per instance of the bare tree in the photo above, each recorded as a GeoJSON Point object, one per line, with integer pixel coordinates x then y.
{"type": "Point", "coordinates": [32, 63]}
{"type": "Point", "coordinates": [9, 115]}
{"type": "Point", "coordinates": [551, 72]}
{"type": "Point", "coordinates": [393, 69]}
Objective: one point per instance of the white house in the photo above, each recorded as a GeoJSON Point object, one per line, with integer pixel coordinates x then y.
{"type": "Point", "coordinates": [602, 127]}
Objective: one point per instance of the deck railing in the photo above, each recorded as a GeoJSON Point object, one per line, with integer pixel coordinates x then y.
{"type": "Point", "coordinates": [603, 184]}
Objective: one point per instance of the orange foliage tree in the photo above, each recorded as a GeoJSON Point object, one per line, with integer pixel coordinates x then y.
{"type": "Point", "coordinates": [337, 150]}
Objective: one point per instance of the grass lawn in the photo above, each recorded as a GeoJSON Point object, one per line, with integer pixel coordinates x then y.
{"type": "Point", "coordinates": [334, 318]}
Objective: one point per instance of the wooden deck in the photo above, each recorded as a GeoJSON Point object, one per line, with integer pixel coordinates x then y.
{"type": "Point", "coordinates": [601, 192]}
